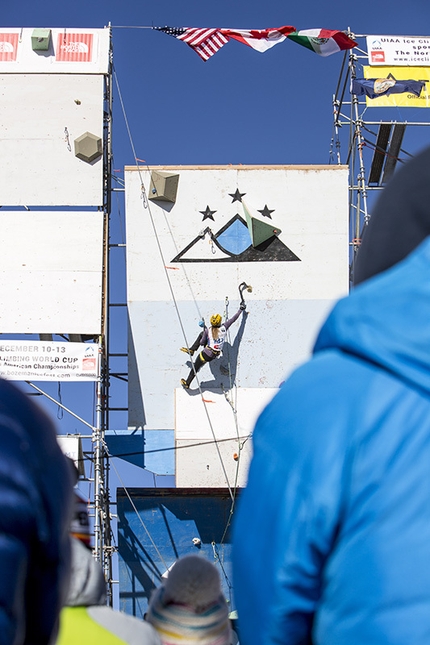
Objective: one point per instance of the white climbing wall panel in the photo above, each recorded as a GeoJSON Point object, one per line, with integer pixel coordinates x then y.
{"type": "Point", "coordinates": [40, 117]}
{"type": "Point", "coordinates": [212, 440]}
{"type": "Point", "coordinates": [51, 272]}
{"type": "Point", "coordinates": [186, 258]}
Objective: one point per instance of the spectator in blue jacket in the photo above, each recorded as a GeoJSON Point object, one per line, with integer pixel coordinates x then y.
{"type": "Point", "coordinates": [36, 488]}
{"type": "Point", "coordinates": [332, 534]}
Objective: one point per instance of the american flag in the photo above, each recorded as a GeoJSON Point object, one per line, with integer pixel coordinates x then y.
{"type": "Point", "coordinates": [205, 42]}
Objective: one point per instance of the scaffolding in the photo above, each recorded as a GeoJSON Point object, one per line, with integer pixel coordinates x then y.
{"type": "Point", "coordinates": [96, 200]}
{"type": "Point", "coordinates": [103, 549]}
{"type": "Point", "coordinates": [372, 147]}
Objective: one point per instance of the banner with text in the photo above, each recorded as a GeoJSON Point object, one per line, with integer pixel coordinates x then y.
{"type": "Point", "coordinates": [401, 74]}
{"type": "Point", "coordinates": [398, 50]}
{"type": "Point", "coordinates": [48, 361]}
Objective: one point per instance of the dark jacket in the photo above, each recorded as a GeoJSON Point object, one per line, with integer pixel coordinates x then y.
{"type": "Point", "coordinates": [35, 508]}
{"type": "Point", "coordinates": [332, 536]}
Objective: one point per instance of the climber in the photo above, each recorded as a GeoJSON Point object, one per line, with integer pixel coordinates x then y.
{"type": "Point", "coordinates": [212, 339]}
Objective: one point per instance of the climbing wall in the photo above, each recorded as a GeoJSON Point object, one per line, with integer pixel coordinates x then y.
{"type": "Point", "coordinates": [52, 153]}
{"type": "Point", "coordinates": [193, 236]}
{"type": "Point", "coordinates": [41, 116]}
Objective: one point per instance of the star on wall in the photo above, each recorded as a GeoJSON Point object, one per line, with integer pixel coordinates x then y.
{"type": "Point", "coordinates": [207, 214]}
{"type": "Point", "coordinates": [266, 212]}
{"type": "Point", "coordinates": [237, 196]}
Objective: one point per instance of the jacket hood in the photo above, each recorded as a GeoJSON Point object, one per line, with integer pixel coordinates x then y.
{"type": "Point", "coordinates": [87, 583]}
{"type": "Point", "coordinates": [386, 320]}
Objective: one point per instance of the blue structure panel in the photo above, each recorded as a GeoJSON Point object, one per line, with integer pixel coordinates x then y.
{"type": "Point", "coordinates": [163, 529]}
{"type": "Point", "coordinates": [160, 451]}
{"type": "Point", "coordinates": [153, 450]}
{"type": "Point", "coordinates": [126, 445]}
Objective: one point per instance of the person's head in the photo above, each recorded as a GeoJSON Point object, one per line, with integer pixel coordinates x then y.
{"type": "Point", "coordinates": [400, 220]}
{"type": "Point", "coordinates": [216, 320]}
{"type": "Point", "coordinates": [189, 606]}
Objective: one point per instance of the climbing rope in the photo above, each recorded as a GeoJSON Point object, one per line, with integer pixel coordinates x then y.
{"type": "Point", "coordinates": [147, 207]}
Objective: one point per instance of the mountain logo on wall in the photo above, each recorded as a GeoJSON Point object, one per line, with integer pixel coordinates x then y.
{"type": "Point", "coordinates": [238, 241]}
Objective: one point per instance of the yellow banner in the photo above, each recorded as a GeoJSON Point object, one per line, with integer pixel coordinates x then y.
{"type": "Point", "coordinates": [406, 99]}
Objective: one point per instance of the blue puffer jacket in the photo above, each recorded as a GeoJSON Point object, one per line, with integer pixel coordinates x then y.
{"type": "Point", "coordinates": [332, 534]}
{"type": "Point", "coordinates": [35, 502]}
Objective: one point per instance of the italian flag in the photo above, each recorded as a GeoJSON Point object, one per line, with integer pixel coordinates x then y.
{"type": "Point", "coordinates": [323, 41]}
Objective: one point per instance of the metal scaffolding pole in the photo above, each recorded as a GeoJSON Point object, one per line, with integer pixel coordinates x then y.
{"type": "Point", "coordinates": [380, 148]}
{"type": "Point", "coordinates": [102, 513]}
{"type": "Point", "coordinates": [98, 478]}
{"type": "Point", "coordinates": [358, 140]}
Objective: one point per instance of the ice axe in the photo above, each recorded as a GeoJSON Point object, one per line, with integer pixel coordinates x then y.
{"type": "Point", "coordinates": [242, 288]}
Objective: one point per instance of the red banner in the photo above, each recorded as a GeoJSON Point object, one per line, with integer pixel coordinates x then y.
{"type": "Point", "coordinates": [74, 47]}
{"type": "Point", "coordinates": [8, 46]}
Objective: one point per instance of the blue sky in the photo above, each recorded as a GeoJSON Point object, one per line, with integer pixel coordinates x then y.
{"type": "Point", "coordinates": [239, 107]}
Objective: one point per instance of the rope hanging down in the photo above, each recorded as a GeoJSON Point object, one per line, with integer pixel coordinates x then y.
{"type": "Point", "coordinates": [148, 208]}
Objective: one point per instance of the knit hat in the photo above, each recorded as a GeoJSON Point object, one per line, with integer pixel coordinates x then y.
{"type": "Point", "coordinates": [400, 220]}
{"type": "Point", "coordinates": [189, 606]}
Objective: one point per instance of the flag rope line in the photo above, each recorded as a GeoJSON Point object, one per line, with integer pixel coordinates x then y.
{"type": "Point", "coordinates": [169, 282]}
{"type": "Point", "coordinates": [207, 41]}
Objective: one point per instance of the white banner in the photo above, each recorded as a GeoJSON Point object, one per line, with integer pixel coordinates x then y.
{"type": "Point", "coordinates": [72, 447]}
{"type": "Point", "coordinates": [36, 360]}
{"type": "Point", "coordinates": [398, 50]}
